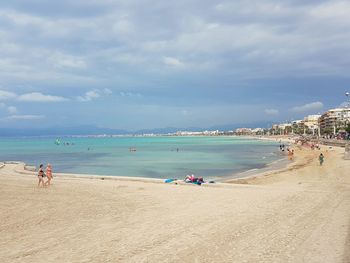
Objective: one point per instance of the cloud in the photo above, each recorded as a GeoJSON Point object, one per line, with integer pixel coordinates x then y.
{"type": "Point", "coordinates": [25, 117]}
{"type": "Point", "coordinates": [273, 112]}
{"type": "Point", "coordinates": [89, 96]}
{"type": "Point", "coordinates": [107, 91]}
{"type": "Point", "coordinates": [195, 52]}
{"type": "Point", "coordinates": [314, 106]}
{"type": "Point", "coordinates": [67, 61]}
{"type": "Point", "coordinates": [6, 95]}
{"type": "Point", "coordinates": [94, 94]}
{"type": "Point", "coordinates": [233, 36]}
{"type": "Point", "coordinates": [174, 62]}
{"type": "Point", "coordinates": [12, 110]}
{"type": "Point", "coordinates": [39, 97]}
{"type": "Point", "coordinates": [129, 94]}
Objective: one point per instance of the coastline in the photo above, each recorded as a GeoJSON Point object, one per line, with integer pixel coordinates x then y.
{"type": "Point", "coordinates": [245, 177]}
{"type": "Point", "coordinates": [278, 165]}
{"type": "Point", "coordinates": [117, 162]}
{"type": "Point", "coordinates": [275, 166]}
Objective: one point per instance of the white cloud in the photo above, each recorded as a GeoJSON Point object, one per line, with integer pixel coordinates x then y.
{"type": "Point", "coordinates": [94, 94]}
{"type": "Point", "coordinates": [25, 117]}
{"type": "Point", "coordinates": [2, 105]}
{"type": "Point", "coordinates": [271, 112]}
{"type": "Point", "coordinates": [174, 62]}
{"type": "Point", "coordinates": [89, 96]}
{"type": "Point", "coordinates": [314, 106]}
{"type": "Point", "coordinates": [129, 94]}
{"type": "Point", "coordinates": [12, 110]}
{"type": "Point", "coordinates": [6, 95]}
{"type": "Point", "coordinates": [39, 97]}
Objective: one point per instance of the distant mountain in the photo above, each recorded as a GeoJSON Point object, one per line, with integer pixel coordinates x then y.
{"type": "Point", "coordinates": [93, 130]}
{"type": "Point", "coordinates": [59, 131]}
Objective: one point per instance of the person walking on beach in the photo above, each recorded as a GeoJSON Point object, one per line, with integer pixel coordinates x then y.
{"type": "Point", "coordinates": [41, 175]}
{"type": "Point", "coordinates": [48, 174]}
{"type": "Point", "coordinates": [290, 154]}
{"type": "Point", "coordinates": [321, 159]}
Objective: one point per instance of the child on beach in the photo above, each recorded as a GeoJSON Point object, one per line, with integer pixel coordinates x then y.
{"type": "Point", "coordinates": [321, 159]}
{"type": "Point", "coordinates": [48, 174]}
{"type": "Point", "coordinates": [41, 175]}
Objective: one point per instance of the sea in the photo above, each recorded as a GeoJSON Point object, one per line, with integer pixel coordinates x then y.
{"type": "Point", "coordinates": [212, 157]}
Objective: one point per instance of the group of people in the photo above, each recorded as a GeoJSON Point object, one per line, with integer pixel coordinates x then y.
{"type": "Point", "coordinates": [282, 147]}
{"type": "Point", "coordinates": [193, 179]}
{"type": "Point", "coordinates": [312, 147]}
{"type": "Point", "coordinates": [290, 151]}
{"type": "Point", "coordinates": [42, 174]}
{"type": "Point", "coordinates": [315, 146]}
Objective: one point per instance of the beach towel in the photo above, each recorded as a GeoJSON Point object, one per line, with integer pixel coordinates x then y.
{"type": "Point", "coordinates": [169, 180]}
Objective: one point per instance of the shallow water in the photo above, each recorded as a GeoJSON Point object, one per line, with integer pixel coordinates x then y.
{"type": "Point", "coordinates": [156, 157]}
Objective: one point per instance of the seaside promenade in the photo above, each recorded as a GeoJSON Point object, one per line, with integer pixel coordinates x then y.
{"type": "Point", "coordinates": [299, 214]}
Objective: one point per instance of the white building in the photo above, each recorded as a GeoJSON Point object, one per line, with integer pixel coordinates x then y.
{"type": "Point", "coordinates": [334, 119]}
{"type": "Point", "coordinates": [243, 131]}
{"type": "Point", "coordinates": [311, 123]}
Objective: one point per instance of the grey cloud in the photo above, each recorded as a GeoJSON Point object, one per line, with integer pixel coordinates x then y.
{"type": "Point", "coordinates": [6, 95]}
{"type": "Point", "coordinates": [63, 8]}
{"type": "Point", "coordinates": [204, 37]}
{"type": "Point", "coordinates": [213, 52]}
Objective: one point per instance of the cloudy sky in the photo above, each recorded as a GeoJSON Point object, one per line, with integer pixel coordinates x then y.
{"type": "Point", "coordinates": [130, 64]}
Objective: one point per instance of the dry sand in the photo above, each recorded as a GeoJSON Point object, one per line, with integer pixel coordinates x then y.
{"type": "Point", "coordinates": [301, 214]}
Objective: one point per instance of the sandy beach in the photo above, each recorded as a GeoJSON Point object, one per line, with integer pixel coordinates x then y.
{"type": "Point", "coordinates": [298, 214]}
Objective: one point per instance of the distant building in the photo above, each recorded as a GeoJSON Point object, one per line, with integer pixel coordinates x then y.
{"type": "Point", "coordinates": [311, 123]}
{"type": "Point", "coordinates": [200, 133]}
{"type": "Point", "coordinates": [244, 131]}
{"type": "Point", "coordinates": [258, 131]}
{"type": "Point", "coordinates": [333, 120]}
{"type": "Point", "coordinates": [281, 129]}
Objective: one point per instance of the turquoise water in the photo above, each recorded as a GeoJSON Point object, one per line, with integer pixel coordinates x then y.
{"type": "Point", "coordinates": [156, 157]}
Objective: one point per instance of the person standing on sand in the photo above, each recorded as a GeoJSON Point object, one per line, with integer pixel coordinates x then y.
{"type": "Point", "coordinates": [290, 154]}
{"type": "Point", "coordinates": [321, 159]}
{"type": "Point", "coordinates": [41, 175]}
{"type": "Point", "coordinates": [48, 174]}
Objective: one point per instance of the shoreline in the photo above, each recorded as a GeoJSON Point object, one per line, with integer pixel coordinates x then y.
{"type": "Point", "coordinates": [227, 174]}
{"type": "Point", "coordinates": [237, 178]}
{"type": "Point", "coordinates": [282, 164]}
{"type": "Point", "coordinates": [274, 166]}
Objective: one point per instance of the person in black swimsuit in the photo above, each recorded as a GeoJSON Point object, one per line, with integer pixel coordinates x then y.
{"type": "Point", "coordinates": [41, 175]}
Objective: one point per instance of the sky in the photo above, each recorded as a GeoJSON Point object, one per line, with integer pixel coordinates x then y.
{"type": "Point", "coordinates": [188, 63]}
